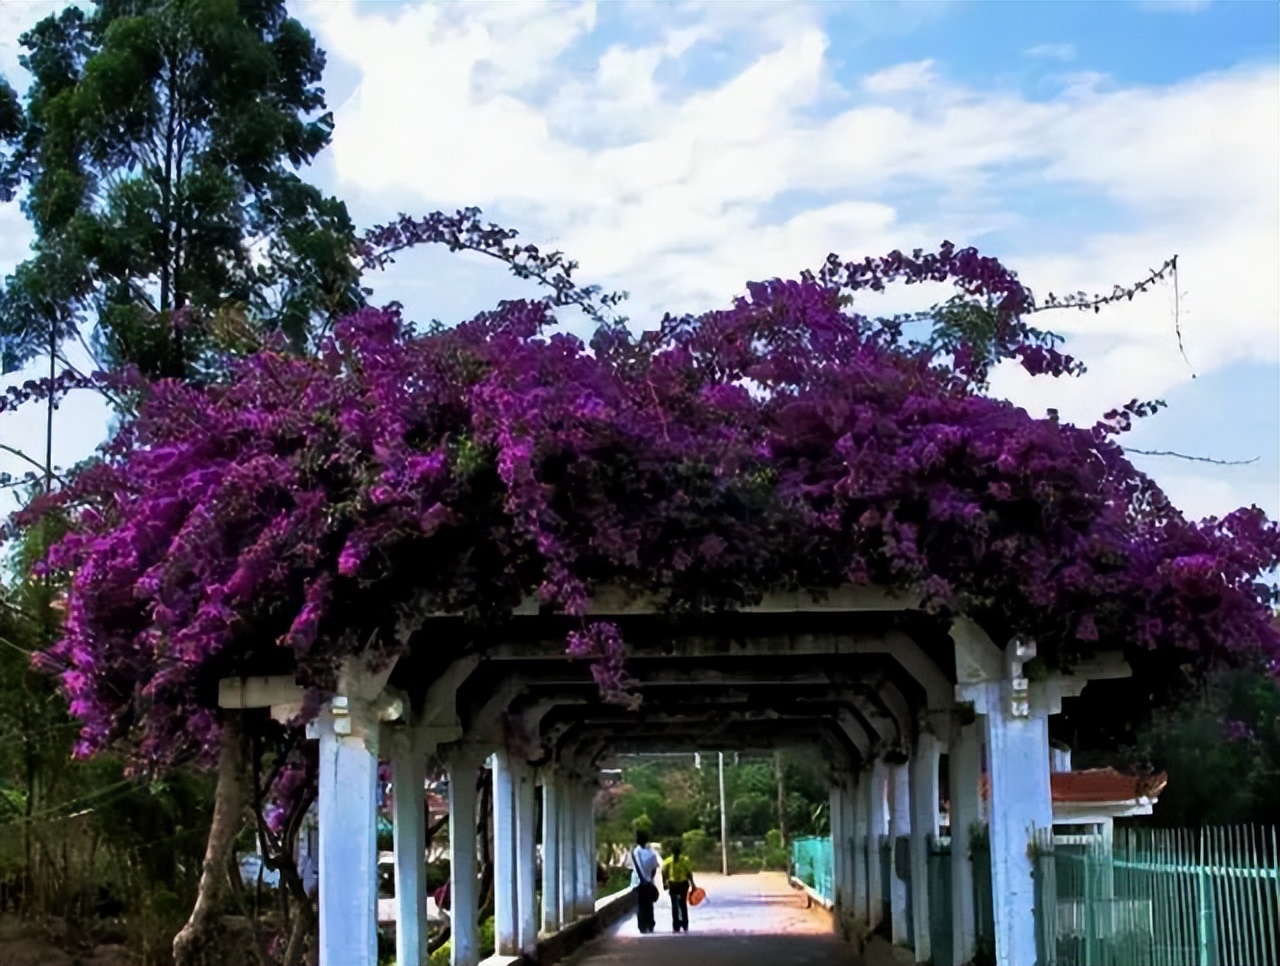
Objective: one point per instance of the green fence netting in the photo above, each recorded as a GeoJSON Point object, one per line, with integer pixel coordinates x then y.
{"type": "Point", "coordinates": [811, 863]}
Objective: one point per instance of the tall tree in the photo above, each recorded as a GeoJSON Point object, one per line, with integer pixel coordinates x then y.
{"type": "Point", "coordinates": [158, 147]}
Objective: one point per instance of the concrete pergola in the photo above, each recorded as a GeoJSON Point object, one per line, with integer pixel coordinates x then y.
{"type": "Point", "coordinates": [881, 686]}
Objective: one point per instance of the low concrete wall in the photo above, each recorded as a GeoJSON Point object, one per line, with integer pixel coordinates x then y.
{"type": "Point", "coordinates": [609, 910]}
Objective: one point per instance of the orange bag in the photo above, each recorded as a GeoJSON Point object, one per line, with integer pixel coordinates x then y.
{"type": "Point", "coordinates": [696, 896]}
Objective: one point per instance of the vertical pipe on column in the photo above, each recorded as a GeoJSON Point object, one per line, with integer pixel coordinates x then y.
{"type": "Point", "coordinates": [586, 860]}
{"type": "Point", "coordinates": [462, 862]}
{"type": "Point", "coordinates": [568, 853]}
{"type": "Point", "coordinates": [965, 776]}
{"type": "Point", "coordinates": [348, 849]}
{"type": "Point", "coordinates": [526, 858]}
{"type": "Point", "coordinates": [591, 847]}
{"type": "Point", "coordinates": [408, 775]}
{"type": "Point", "coordinates": [924, 829]}
{"type": "Point", "coordinates": [550, 851]}
{"type": "Point", "coordinates": [504, 855]}
{"type": "Point", "coordinates": [858, 847]}
{"type": "Point", "coordinates": [900, 815]}
{"type": "Point", "coordinates": [846, 846]}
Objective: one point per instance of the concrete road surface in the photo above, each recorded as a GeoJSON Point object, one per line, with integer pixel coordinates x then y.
{"type": "Point", "coordinates": [747, 920]}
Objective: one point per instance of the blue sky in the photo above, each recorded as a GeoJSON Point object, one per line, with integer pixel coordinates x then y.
{"type": "Point", "coordinates": [678, 150]}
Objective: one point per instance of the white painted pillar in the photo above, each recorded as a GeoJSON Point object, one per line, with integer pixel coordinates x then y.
{"type": "Point", "coordinates": [858, 815]}
{"type": "Point", "coordinates": [965, 776]}
{"type": "Point", "coordinates": [847, 888]}
{"type": "Point", "coordinates": [835, 812]}
{"type": "Point", "coordinates": [900, 828]}
{"type": "Point", "coordinates": [526, 858]}
{"type": "Point", "coordinates": [504, 856]}
{"type": "Point", "coordinates": [923, 769]}
{"type": "Point", "coordinates": [408, 775]}
{"type": "Point", "coordinates": [348, 835]}
{"type": "Point", "coordinates": [1017, 733]}
{"type": "Point", "coordinates": [551, 802]}
{"type": "Point", "coordinates": [877, 828]}
{"type": "Point", "coordinates": [463, 900]}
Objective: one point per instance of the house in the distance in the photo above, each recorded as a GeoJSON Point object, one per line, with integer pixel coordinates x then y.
{"type": "Point", "coordinates": [1088, 802]}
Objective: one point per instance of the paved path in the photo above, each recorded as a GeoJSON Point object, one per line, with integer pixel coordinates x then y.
{"type": "Point", "coordinates": [746, 920]}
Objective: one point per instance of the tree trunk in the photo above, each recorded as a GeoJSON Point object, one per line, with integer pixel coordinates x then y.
{"type": "Point", "coordinates": [298, 934]}
{"type": "Point", "coordinates": [197, 942]}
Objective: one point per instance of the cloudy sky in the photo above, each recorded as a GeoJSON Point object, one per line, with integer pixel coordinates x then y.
{"type": "Point", "coordinates": [678, 150]}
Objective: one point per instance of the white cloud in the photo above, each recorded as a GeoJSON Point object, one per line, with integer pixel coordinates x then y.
{"type": "Point", "coordinates": [713, 145]}
{"type": "Point", "coordinates": [1200, 495]}
{"type": "Point", "coordinates": [1062, 52]}
{"type": "Point", "coordinates": [917, 76]}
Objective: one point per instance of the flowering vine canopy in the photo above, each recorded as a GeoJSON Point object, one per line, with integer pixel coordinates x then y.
{"type": "Point", "coordinates": [312, 508]}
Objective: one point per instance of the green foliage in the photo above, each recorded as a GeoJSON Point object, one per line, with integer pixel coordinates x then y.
{"type": "Point", "coordinates": [157, 149]}
{"type": "Point", "coordinates": [441, 956]}
{"type": "Point", "coordinates": [698, 845]}
{"type": "Point", "coordinates": [619, 878]}
{"type": "Point", "coordinates": [751, 815]}
{"type": "Point", "coordinates": [116, 859]}
{"type": "Point", "coordinates": [776, 855]}
{"type": "Point", "coordinates": [1221, 751]}
{"type": "Point", "coordinates": [674, 800]}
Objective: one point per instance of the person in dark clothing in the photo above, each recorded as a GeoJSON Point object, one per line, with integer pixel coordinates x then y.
{"type": "Point", "coordinates": [644, 867]}
{"type": "Point", "coordinates": [677, 876]}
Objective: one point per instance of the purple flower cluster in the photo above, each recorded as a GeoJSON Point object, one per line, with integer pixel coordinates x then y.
{"type": "Point", "coordinates": [315, 508]}
{"type": "Point", "coordinates": [1236, 730]}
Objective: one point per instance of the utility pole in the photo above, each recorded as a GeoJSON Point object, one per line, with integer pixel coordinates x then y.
{"type": "Point", "coordinates": [724, 823]}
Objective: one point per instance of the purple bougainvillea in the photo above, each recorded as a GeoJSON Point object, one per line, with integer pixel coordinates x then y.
{"type": "Point", "coordinates": [314, 508]}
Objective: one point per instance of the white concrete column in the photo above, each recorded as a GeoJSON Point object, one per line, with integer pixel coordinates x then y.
{"type": "Point", "coordinates": [526, 858]}
{"type": "Point", "coordinates": [923, 769]}
{"type": "Point", "coordinates": [592, 848]}
{"type": "Point", "coordinates": [848, 883]}
{"type": "Point", "coordinates": [877, 827]}
{"type": "Point", "coordinates": [505, 902]}
{"type": "Point", "coordinates": [1017, 739]}
{"type": "Point", "coordinates": [568, 897]}
{"type": "Point", "coordinates": [463, 900]}
{"type": "Point", "coordinates": [858, 846]}
{"type": "Point", "coordinates": [900, 828]}
{"type": "Point", "coordinates": [408, 776]}
{"type": "Point", "coordinates": [551, 801]}
{"type": "Point", "coordinates": [965, 776]}
{"type": "Point", "coordinates": [348, 836]}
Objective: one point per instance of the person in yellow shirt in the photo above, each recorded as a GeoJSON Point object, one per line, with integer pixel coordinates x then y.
{"type": "Point", "coordinates": [677, 878]}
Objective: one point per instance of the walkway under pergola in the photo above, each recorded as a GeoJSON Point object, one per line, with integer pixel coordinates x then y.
{"type": "Point", "coordinates": [883, 688]}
